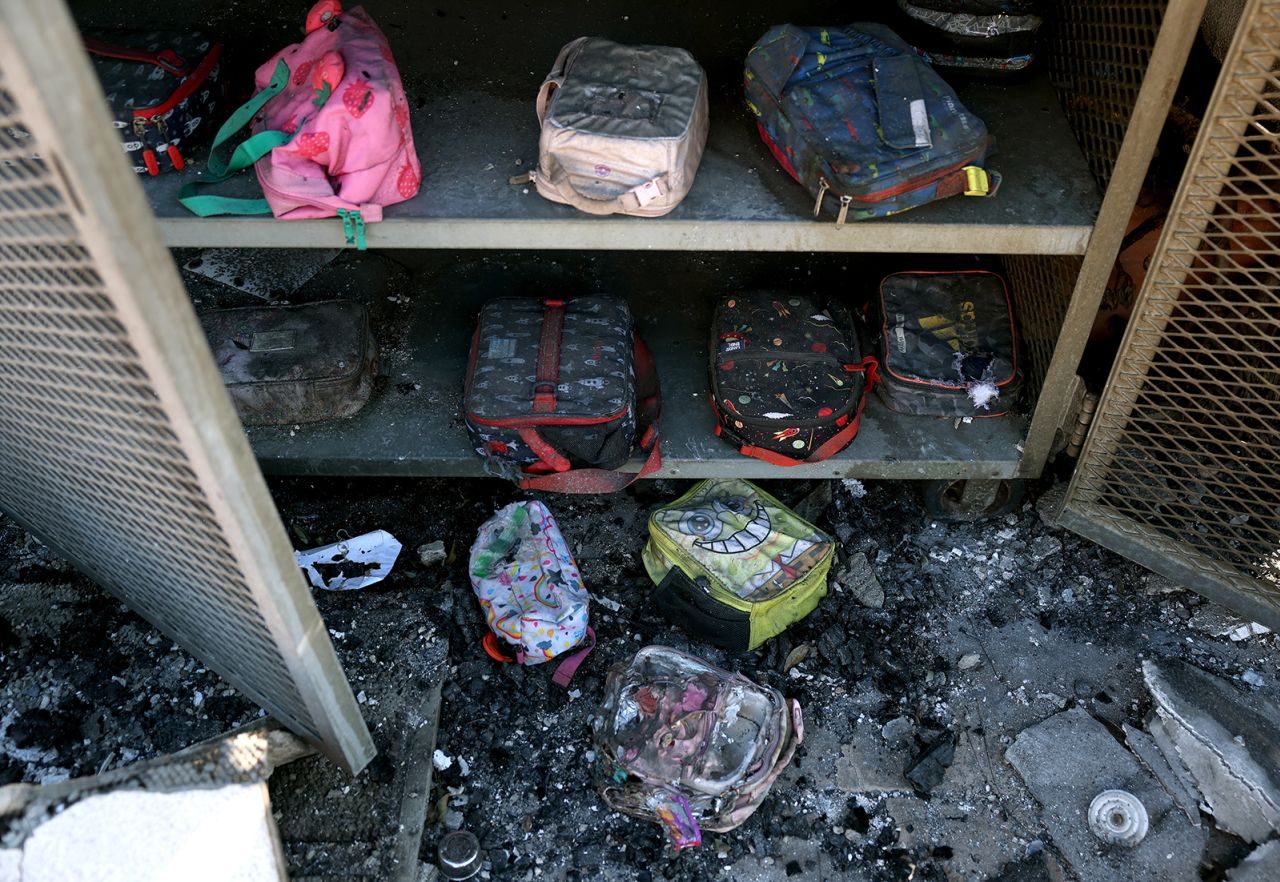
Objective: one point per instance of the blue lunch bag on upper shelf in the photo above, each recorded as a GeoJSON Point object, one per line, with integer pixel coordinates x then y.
{"type": "Point", "coordinates": [859, 119]}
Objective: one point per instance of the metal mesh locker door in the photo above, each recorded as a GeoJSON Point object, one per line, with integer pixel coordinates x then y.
{"type": "Point", "coordinates": [1116, 67]}
{"type": "Point", "coordinates": [118, 445]}
{"type": "Point", "coordinates": [1181, 471]}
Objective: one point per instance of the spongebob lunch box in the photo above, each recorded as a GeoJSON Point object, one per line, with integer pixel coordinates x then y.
{"type": "Point", "coordinates": [733, 565]}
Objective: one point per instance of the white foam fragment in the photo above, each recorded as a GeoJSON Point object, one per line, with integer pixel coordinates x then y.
{"type": "Point", "coordinates": [855, 487]}
{"type": "Point", "coordinates": [220, 835]}
{"type": "Point", "coordinates": [10, 865]}
{"type": "Point", "coordinates": [982, 394]}
{"type": "Point", "coordinates": [441, 760]}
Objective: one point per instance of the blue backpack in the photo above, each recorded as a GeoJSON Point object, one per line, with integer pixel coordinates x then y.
{"type": "Point", "coordinates": [856, 116]}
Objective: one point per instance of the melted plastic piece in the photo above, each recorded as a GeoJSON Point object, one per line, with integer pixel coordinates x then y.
{"type": "Point", "coordinates": [676, 815]}
{"type": "Point", "coordinates": [672, 725]}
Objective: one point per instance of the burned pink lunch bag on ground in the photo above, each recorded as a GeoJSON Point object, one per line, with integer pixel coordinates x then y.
{"type": "Point", "coordinates": [330, 125]}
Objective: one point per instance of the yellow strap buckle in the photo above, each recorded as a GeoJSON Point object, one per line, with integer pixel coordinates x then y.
{"type": "Point", "coordinates": [976, 181]}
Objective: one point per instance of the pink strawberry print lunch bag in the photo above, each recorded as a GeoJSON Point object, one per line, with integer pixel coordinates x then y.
{"type": "Point", "coordinates": [330, 124]}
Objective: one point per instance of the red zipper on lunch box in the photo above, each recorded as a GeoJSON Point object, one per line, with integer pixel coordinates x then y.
{"type": "Point", "coordinates": [193, 80]}
{"type": "Point", "coordinates": [166, 59]}
{"type": "Point", "coordinates": [534, 420]}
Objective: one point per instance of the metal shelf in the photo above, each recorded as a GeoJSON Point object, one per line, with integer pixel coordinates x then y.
{"type": "Point", "coordinates": [472, 141]}
{"type": "Point", "coordinates": [419, 431]}
{"type": "Point", "coordinates": [471, 84]}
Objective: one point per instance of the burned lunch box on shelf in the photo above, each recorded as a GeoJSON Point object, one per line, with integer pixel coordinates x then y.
{"type": "Point", "coordinates": [294, 364]}
{"type": "Point", "coordinates": [949, 344]}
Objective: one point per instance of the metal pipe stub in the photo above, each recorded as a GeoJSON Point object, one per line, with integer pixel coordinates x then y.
{"type": "Point", "coordinates": [1118, 817]}
{"type": "Point", "coordinates": [458, 855]}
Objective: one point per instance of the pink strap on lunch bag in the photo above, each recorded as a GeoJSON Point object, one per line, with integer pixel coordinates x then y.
{"type": "Point", "coordinates": [330, 123]}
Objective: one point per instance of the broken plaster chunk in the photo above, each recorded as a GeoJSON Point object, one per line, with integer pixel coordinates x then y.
{"type": "Point", "coordinates": [1216, 621]}
{"type": "Point", "coordinates": [1227, 740]}
{"type": "Point", "coordinates": [1043, 548]}
{"type": "Point", "coordinates": [866, 763]}
{"type": "Point", "coordinates": [1065, 761]}
{"type": "Point", "coordinates": [441, 760]}
{"type": "Point", "coordinates": [897, 732]}
{"type": "Point", "coordinates": [969, 661]}
{"type": "Point", "coordinates": [1260, 865]}
{"type": "Point", "coordinates": [858, 577]}
{"type": "Point", "coordinates": [1246, 630]}
{"type": "Point", "coordinates": [1177, 782]}
{"type": "Point", "coordinates": [432, 553]}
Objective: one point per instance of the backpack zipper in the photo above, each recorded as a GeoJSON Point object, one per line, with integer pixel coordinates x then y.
{"type": "Point", "coordinates": [847, 198]}
{"type": "Point", "coordinates": [823, 187]}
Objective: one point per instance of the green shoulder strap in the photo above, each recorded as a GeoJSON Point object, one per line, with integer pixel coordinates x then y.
{"type": "Point", "coordinates": [245, 154]}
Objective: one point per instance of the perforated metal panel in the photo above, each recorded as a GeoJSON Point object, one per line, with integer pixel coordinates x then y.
{"type": "Point", "coordinates": [1182, 468]}
{"type": "Point", "coordinates": [1042, 286]}
{"type": "Point", "coordinates": [118, 445]}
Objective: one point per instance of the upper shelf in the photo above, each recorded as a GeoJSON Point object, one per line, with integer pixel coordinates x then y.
{"type": "Point", "coordinates": [473, 137]}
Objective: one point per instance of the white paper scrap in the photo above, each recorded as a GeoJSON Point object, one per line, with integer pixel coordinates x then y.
{"type": "Point", "coordinates": [352, 563]}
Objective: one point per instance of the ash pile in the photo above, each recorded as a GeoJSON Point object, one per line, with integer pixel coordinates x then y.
{"type": "Point", "coordinates": [990, 700]}
{"type": "Point", "coordinates": [950, 680]}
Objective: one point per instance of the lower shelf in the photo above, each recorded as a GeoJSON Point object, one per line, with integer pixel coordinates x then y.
{"type": "Point", "coordinates": [412, 425]}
